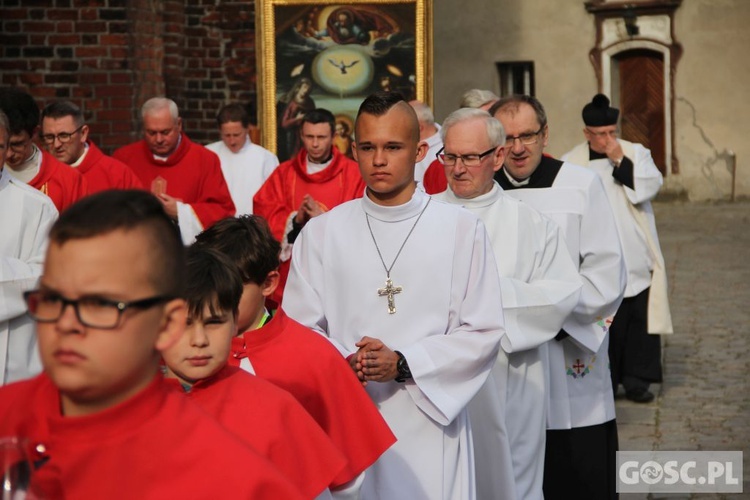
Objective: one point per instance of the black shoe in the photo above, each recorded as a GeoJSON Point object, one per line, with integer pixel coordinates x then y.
{"type": "Point", "coordinates": [640, 395]}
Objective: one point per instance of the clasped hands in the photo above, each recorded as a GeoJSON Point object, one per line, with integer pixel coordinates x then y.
{"type": "Point", "coordinates": [373, 361]}
{"type": "Point", "coordinates": [308, 209]}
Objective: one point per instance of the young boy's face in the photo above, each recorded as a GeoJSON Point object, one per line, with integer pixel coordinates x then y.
{"type": "Point", "coordinates": [204, 348]}
{"type": "Point", "coordinates": [96, 368]}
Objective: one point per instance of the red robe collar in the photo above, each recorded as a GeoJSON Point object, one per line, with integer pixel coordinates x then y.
{"type": "Point", "coordinates": [172, 159]}
{"type": "Point", "coordinates": [93, 155]}
{"type": "Point", "coordinates": [299, 163]}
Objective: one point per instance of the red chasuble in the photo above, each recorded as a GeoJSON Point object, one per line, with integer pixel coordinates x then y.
{"type": "Point", "coordinates": [434, 181]}
{"type": "Point", "coordinates": [103, 172]}
{"type": "Point", "coordinates": [283, 191]}
{"type": "Point", "coordinates": [192, 174]}
{"type": "Point", "coordinates": [306, 364]}
{"type": "Point", "coordinates": [273, 423]}
{"type": "Point", "coordinates": [59, 181]}
{"type": "Point", "coordinates": [155, 445]}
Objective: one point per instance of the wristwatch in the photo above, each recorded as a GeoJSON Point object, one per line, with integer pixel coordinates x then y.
{"type": "Point", "coordinates": [404, 373]}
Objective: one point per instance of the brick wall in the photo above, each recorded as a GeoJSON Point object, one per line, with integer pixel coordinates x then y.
{"type": "Point", "coordinates": [109, 56]}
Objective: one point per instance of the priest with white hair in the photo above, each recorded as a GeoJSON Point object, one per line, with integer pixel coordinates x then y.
{"type": "Point", "coordinates": [540, 287]}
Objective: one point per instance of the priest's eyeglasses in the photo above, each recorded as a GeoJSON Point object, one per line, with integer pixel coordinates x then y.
{"type": "Point", "coordinates": [526, 139]}
{"type": "Point", "coordinates": [63, 137]}
{"type": "Point", "coordinates": [614, 133]}
{"type": "Point", "coordinates": [93, 312]}
{"type": "Point", "coordinates": [470, 160]}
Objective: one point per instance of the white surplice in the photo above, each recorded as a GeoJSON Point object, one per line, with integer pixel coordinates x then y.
{"type": "Point", "coordinates": [27, 217]}
{"type": "Point", "coordinates": [580, 386]}
{"type": "Point", "coordinates": [245, 171]}
{"type": "Point", "coordinates": [636, 226]}
{"type": "Point", "coordinates": [448, 324]}
{"type": "Point", "coordinates": [540, 286]}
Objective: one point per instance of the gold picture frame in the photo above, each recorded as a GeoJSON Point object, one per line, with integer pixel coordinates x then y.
{"type": "Point", "coordinates": [332, 54]}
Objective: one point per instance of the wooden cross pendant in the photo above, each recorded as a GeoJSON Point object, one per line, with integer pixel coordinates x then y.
{"type": "Point", "coordinates": [390, 291]}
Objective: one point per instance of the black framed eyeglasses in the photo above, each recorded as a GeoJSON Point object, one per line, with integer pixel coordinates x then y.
{"type": "Point", "coordinates": [470, 160]}
{"type": "Point", "coordinates": [63, 137]}
{"type": "Point", "coordinates": [93, 312]}
{"type": "Point", "coordinates": [526, 139]}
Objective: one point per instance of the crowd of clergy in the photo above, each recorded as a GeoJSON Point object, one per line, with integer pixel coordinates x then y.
{"type": "Point", "coordinates": [420, 311]}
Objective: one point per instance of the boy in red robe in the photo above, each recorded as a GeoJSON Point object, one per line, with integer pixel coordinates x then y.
{"type": "Point", "coordinates": [294, 357]}
{"type": "Point", "coordinates": [185, 176]}
{"type": "Point", "coordinates": [264, 416]}
{"type": "Point", "coordinates": [313, 182]}
{"type": "Point", "coordinates": [100, 422]}
{"type": "Point", "coordinates": [29, 164]}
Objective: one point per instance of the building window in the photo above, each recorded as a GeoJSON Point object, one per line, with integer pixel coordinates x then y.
{"type": "Point", "coordinates": [516, 78]}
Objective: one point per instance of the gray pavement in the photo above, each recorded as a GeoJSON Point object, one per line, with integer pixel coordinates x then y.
{"type": "Point", "coordinates": [704, 400]}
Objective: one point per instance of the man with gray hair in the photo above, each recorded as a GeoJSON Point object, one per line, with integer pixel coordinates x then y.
{"type": "Point", "coordinates": [540, 287]}
{"type": "Point", "coordinates": [478, 98]}
{"type": "Point", "coordinates": [65, 136]}
{"type": "Point", "coordinates": [185, 176]}
{"type": "Point", "coordinates": [23, 240]}
{"type": "Point", "coordinates": [429, 132]}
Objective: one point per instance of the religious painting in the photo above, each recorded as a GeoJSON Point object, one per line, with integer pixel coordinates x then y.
{"type": "Point", "coordinates": [323, 54]}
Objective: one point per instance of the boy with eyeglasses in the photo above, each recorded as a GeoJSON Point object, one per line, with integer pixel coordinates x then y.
{"type": "Point", "coordinates": [65, 136]}
{"type": "Point", "coordinates": [261, 414]}
{"type": "Point", "coordinates": [29, 164]}
{"type": "Point", "coordinates": [100, 421]}
{"type": "Point", "coordinates": [294, 357]}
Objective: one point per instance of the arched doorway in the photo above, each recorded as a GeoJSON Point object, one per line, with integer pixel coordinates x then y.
{"type": "Point", "coordinates": [638, 86]}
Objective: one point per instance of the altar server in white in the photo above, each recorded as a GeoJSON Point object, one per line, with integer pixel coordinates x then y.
{"type": "Point", "coordinates": [27, 215]}
{"type": "Point", "coordinates": [407, 288]}
{"type": "Point", "coordinates": [540, 286]}
{"type": "Point", "coordinates": [631, 180]}
{"type": "Point", "coordinates": [581, 428]}
{"type": "Point", "coordinates": [245, 165]}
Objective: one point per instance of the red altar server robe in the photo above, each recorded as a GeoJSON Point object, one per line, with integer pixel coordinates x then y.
{"type": "Point", "coordinates": [282, 194]}
{"type": "Point", "coordinates": [59, 181]}
{"type": "Point", "coordinates": [304, 363]}
{"type": "Point", "coordinates": [155, 445]}
{"type": "Point", "coordinates": [434, 181]}
{"type": "Point", "coordinates": [273, 423]}
{"type": "Point", "coordinates": [104, 172]}
{"type": "Point", "coordinates": [192, 174]}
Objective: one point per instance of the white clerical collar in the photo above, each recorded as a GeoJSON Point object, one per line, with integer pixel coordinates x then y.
{"type": "Point", "coordinates": [434, 139]}
{"type": "Point", "coordinates": [165, 158]}
{"type": "Point", "coordinates": [29, 169]}
{"type": "Point", "coordinates": [78, 162]}
{"type": "Point", "coordinates": [483, 200]}
{"type": "Point", "coordinates": [314, 168]}
{"type": "Point", "coordinates": [515, 182]}
{"type": "Point", "coordinates": [397, 213]}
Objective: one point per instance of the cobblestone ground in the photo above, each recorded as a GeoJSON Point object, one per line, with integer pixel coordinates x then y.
{"type": "Point", "coordinates": [704, 400]}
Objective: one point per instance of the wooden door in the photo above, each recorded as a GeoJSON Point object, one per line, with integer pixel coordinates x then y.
{"type": "Point", "coordinates": [641, 79]}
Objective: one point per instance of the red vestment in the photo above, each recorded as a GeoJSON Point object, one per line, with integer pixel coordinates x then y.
{"type": "Point", "coordinates": [282, 194]}
{"type": "Point", "coordinates": [434, 181]}
{"type": "Point", "coordinates": [304, 363]}
{"type": "Point", "coordinates": [192, 174]}
{"type": "Point", "coordinates": [154, 445]}
{"type": "Point", "coordinates": [104, 172]}
{"type": "Point", "coordinates": [273, 423]}
{"type": "Point", "coordinates": [59, 181]}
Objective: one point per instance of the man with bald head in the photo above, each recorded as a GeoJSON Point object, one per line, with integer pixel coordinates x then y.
{"type": "Point", "coordinates": [185, 176]}
{"type": "Point", "coordinates": [420, 320]}
{"type": "Point", "coordinates": [429, 132]}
